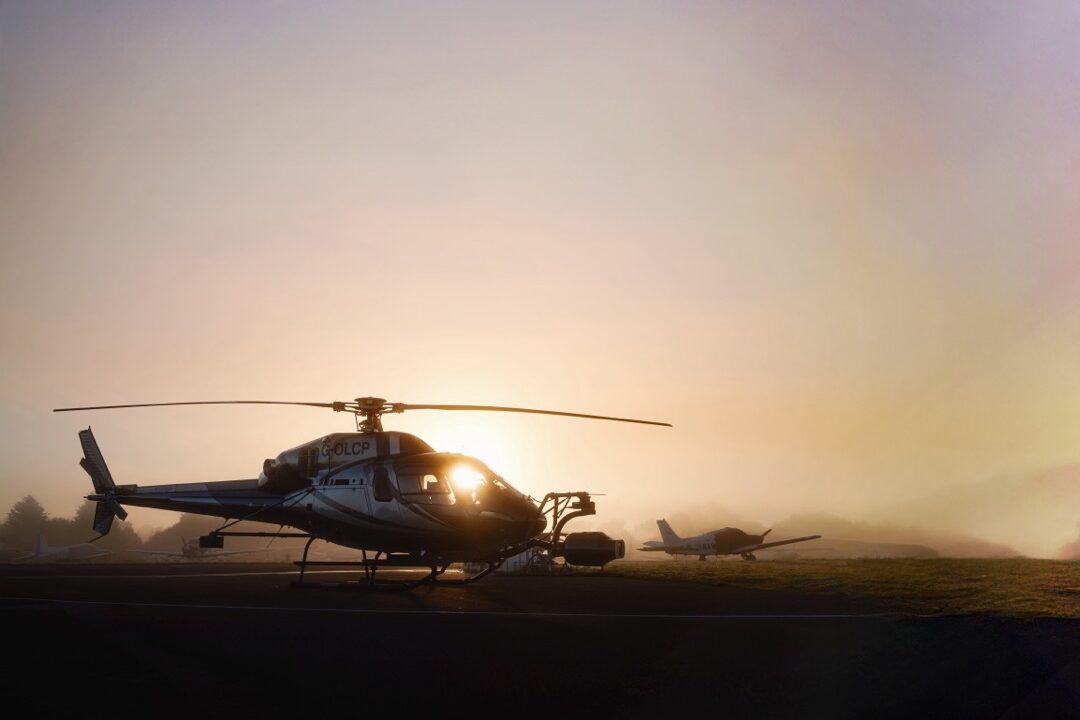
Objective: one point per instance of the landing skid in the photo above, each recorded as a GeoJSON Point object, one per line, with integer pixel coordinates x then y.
{"type": "Point", "coordinates": [370, 567]}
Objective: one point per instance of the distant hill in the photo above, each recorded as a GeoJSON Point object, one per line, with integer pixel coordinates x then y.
{"type": "Point", "coordinates": [1035, 512]}
{"type": "Point", "coordinates": [1070, 550]}
{"type": "Point", "coordinates": [835, 529]}
{"type": "Point", "coordinates": [829, 547]}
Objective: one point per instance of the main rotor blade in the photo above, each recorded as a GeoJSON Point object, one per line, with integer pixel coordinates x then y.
{"type": "Point", "coordinates": [495, 408]}
{"type": "Point", "coordinates": [203, 402]}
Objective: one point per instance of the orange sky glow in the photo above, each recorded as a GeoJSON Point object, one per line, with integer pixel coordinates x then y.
{"type": "Point", "coordinates": [836, 245]}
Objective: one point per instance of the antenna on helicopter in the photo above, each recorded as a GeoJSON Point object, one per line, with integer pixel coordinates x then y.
{"type": "Point", "coordinates": [369, 410]}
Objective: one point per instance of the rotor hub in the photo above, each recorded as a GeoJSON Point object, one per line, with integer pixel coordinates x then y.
{"type": "Point", "coordinates": [369, 412]}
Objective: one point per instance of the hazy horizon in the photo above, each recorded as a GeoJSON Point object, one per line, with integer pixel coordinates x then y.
{"type": "Point", "coordinates": [834, 245]}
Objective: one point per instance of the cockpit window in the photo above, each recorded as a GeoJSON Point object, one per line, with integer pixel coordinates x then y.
{"type": "Point", "coordinates": [502, 484]}
{"type": "Point", "coordinates": [447, 481]}
{"type": "Point", "coordinates": [426, 486]}
{"type": "Point", "coordinates": [434, 484]}
{"type": "Point", "coordinates": [408, 484]}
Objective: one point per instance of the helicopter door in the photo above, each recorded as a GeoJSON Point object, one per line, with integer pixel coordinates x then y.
{"type": "Point", "coordinates": [360, 497]}
{"type": "Point", "coordinates": [349, 487]}
{"type": "Point", "coordinates": [384, 506]}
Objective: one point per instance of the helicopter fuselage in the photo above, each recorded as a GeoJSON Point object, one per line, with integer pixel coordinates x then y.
{"type": "Point", "coordinates": [389, 492]}
{"type": "Point", "coordinates": [385, 491]}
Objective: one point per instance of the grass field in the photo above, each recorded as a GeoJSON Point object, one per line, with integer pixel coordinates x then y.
{"type": "Point", "coordinates": [937, 586]}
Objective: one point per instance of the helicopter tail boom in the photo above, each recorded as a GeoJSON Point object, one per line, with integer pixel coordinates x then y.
{"type": "Point", "coordinates": [223, 498]}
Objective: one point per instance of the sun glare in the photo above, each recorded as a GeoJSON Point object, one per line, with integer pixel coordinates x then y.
{"type": "Point", "coordinates": [465, 478]}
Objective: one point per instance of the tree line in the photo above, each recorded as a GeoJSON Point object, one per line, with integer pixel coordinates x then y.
{"type": "Point", "coordinates": [27, 519]}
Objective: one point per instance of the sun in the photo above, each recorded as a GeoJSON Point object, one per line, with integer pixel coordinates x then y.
{"type": "Point", "coordinates": [480, 438]}
{"type": "Point", "coordinates": [466, 478]}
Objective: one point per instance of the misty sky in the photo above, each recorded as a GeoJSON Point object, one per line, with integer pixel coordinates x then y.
{"type": "Point", "coordinates": [836, 244]}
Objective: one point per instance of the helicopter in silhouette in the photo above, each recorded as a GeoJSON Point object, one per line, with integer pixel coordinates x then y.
{"type": "Point", "coordinates": [383, 492]}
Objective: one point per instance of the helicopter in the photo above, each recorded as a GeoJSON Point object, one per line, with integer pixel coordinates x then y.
{"type": "Point", "coordinates": [386, 493]}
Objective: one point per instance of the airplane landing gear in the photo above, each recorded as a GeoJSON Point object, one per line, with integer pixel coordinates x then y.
{"type": "Point", "coordinates": [701, 558]}
{"type": "Point", "coordinates": [748, 556]}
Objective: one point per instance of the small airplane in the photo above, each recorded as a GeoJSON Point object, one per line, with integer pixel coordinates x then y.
{"type": "Point", "coordinates": [725, 541]}
{"type": "Point", "coordinates": [64, 553]}
{"type": "Point", "coordinates": [382, 492]}
{"type": "Point", "coordinates": [191, 550]}
{"type": "Point", "coordinates": [10, 554]}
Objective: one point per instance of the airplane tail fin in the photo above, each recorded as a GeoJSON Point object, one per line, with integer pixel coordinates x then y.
{"type": "Point", "coordinates": [93, 463]}
{"type": "Point", "coordinates": [667, 533]}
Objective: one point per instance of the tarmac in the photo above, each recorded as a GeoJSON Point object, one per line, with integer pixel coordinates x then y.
{"type": "Point", "coordinates": [218, 639]}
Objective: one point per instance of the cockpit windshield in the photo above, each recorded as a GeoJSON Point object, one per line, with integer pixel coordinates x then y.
{"type": "Point", "coordinates": [448, 481]}
{"type": "Point", "coordinates": [469, 474]}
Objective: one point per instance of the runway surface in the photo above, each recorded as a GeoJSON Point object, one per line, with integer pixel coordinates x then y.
{"type": "Point", "coordinates": [217, 639]}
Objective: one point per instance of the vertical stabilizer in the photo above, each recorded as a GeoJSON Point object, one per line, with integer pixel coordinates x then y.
{"type": "Point", "coordinates": [93, 463]}
{"type": "Point", "coordinates": [668, 535]}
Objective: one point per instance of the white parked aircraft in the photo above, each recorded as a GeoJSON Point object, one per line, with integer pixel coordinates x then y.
{"type": "Point", "coordinates": [726, 541]}
{"type": "Point", "coordinates": [190, 550]}
{"type": "Point", "coordinates": [10, 554]}
{"type": "Point", "coordinates": [65, 553]}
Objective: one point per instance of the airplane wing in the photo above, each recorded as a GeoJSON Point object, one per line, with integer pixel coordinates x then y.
{"type": "Point", "coordinates": [79, 553]}
{"type": "Point", "coordinates": [778, 543]}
